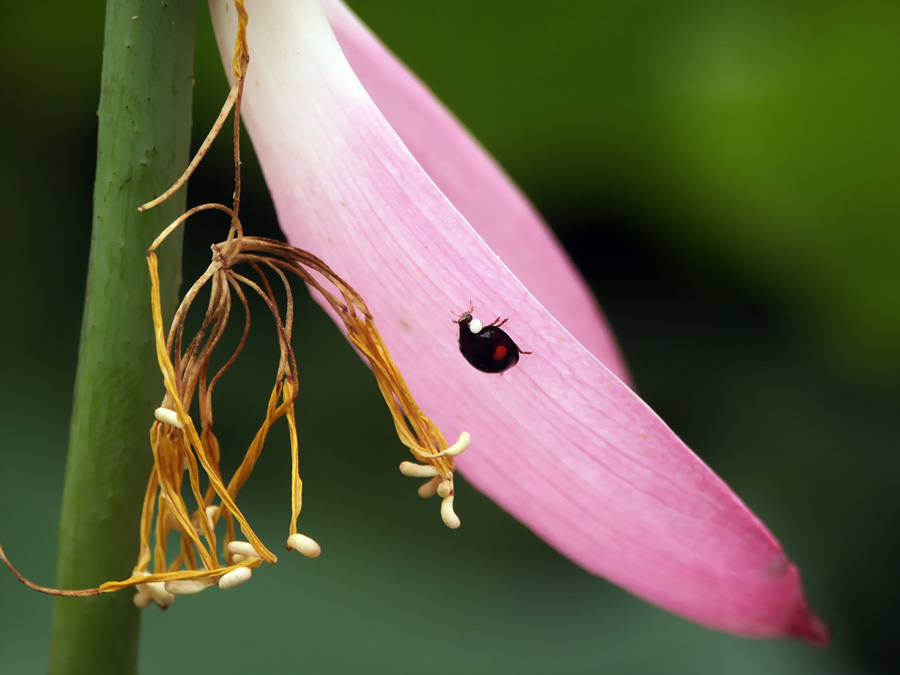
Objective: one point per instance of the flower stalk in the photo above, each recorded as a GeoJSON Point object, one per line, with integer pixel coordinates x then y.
{"type": "Point", "coordinates": [143, 143]}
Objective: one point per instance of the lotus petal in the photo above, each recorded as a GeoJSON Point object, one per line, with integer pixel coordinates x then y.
{"type": "Point", "coordinates": [370, 173]}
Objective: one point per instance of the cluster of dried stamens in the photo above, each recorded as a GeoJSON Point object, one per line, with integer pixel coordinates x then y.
{"type": "Point", "coordinates": [182, 449]}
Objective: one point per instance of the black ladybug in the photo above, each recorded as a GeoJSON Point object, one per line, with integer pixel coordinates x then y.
{"type": "Point", "coordinates": [487, 348]}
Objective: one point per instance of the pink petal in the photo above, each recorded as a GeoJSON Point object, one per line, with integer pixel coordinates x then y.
{"type": "Point", "coordinates": [559, 441]}
{"type": "Point", "coordinates": [479, 189]}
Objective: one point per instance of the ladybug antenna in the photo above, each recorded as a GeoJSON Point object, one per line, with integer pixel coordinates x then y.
{"type": "Point", "coordinates": [460, 317]}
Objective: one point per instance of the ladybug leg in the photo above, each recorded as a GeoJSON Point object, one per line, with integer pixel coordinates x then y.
{"type": "Point", "coordinates": [522, 351]}
{"type": "Point", "coordinates": [495, 322]}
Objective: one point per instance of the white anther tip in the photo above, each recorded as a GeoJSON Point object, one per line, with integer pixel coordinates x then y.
{"type": "Point", "coordinates": [465, 439]}
{"type": "Point", "coordinates": [142, 600]}
{"type": "Point", "coordinates": [242, 548]}
{"type": "Point", "coordinates": [430, 488]}
{"type": "Point", "coordinates": [448, 515]}
{"type": "Point", "coordinates": [417, 470]}
{"type": "Point", "coordinates": [235, 578]}
{"type": "Point", "coordinates": [186, 586]}
{"type": "Point", "coordinates": [157, 591]}
{"type": "Point", "coordinates": [167, 416]}
{"type": "Point", "coordinates": [444, 489]}
{"type": "Point", "coordinates": [304, 545]}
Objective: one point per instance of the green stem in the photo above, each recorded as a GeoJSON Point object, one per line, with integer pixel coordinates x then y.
{"type": "Point", "coordinates": [143, 145]}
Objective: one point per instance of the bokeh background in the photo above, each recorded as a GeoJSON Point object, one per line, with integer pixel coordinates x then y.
{"type": "Point", "coordinates": [727, 176]}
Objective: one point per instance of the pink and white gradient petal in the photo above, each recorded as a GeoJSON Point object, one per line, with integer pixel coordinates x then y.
{"type": "Point", "coordinates": [420, 221]}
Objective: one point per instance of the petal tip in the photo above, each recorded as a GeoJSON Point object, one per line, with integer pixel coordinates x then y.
{"type": "Point", "coordinates": [805, 625]}
{"type": "Point", "coordinates": [812, 629]}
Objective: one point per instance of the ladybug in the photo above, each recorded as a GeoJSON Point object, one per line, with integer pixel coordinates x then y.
{"type": "Point", "coordinates": [487, 348]}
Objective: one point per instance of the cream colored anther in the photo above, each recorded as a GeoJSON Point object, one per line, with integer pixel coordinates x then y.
{"type": "Point", "coordinates": [168, 416]}
{"type": "Point", "coordinates": [449, 517]}
{"type": "Point", "coordinates": [414, 470]}
{"type": "Point", "coordinates": [430, 488]}
{"type": "Point", "coordinates": [235, 578]}
{"type": "Point", "coordinates": [465, 438]}
{"type": "Point", "coordinates": [304, 545]}
{"type": "Point", "coordinates": [242, 548]}
{"type": "Point", "coordinates": [142, 600]}
{"type": "Point", "coordinates": [187, 586]}
{"type": "Point", "coordinates": [157, 591]}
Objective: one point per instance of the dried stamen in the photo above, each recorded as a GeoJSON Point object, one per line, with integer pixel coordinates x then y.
{"type": "Point", "coordinates": [187, 496]}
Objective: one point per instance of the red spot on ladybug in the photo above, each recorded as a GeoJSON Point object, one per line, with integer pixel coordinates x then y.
{"type": "Point", "coordinates": [487, 348]}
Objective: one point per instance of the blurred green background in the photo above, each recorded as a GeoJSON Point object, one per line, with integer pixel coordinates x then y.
{"type": "Point", "coordinates": [726, 176]}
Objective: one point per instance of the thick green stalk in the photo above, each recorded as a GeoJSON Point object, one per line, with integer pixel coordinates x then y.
{"type": "Point", "coordinates": [143, 145]}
